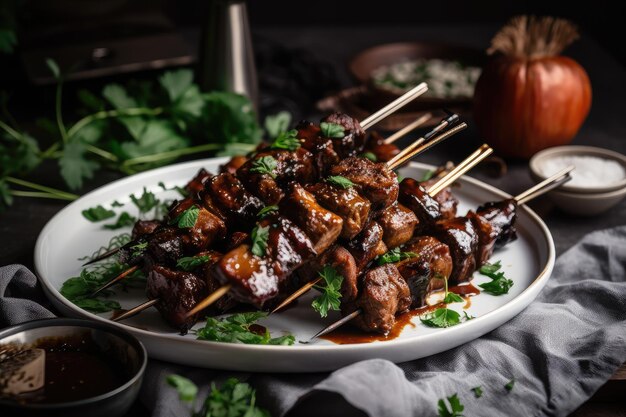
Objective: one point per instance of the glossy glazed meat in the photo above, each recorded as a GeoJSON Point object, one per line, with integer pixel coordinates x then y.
{"type": "Point", "coordinates": [196, 184]}
{"type": "Point", "coordinates": [398, 223]}
{"type": "Point", "coordinates": [233, 165]}
{"type": "Point", "coordinates": [229, 196]}
{"type": "Point", "coordinates": [353, 141]}
{"type": "Point", "coordinates": [207, 229]}
{"type": "Point", "coordinates": [415, 197]}
{"type": "Point", "coordinates": [367, 245]}
{"type": "Point", "coordinates": [462, 240]}
{"type": "Point", "coordinates": [448, 203]}
{"type": "Point", "coordinates": [501, 215]}
{"type": "Point", "coordinates": [144, 228]}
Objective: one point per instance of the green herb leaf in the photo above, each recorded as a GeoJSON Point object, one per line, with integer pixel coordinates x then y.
{"type": "Point", "coordinates": [75, 167]}
{"type": "Point", "coordinates": [455, 410]}
{"type": "Point", "coordinates": [6, 199]}
{"type": "Point", "coordinates": [53, 67]}
{"type": "Point", "coordinates": [490, 269]}
{"type": "Point", "coordinates": [442, 317]}
{"type": "Point", "coordinates": [8, 40]}
{"type": "Point", "coordinates": [237, 329]}
{"type": "Point", "coordinates": [330, 299]}
{"type": "Point", "coordinates": [176, 83]}
{"type": "Point", "coordinates": [118, 97]}
{"type": "Point", "coordinates": [233, 399]}
{"type": "Point", "coordinates": [332, 130]}
{"type": "Point", "coordinates": [266, 211]}
{"type": "Point", "coordinates": [452, 298]}
{"type": "Point", "coordinates": [124, 220]}
{"type": "Point", "coordinates": [509, 386]}
{"type": "Point", "coordinates": [259, 238]}
{"type": "Point", "coordinates": [340, 181]}
{"type": "Point", "coordinates": [287, 140]}
{"type": "Point", "coordinates": [478, 391]}
{"type": "Point", "coordinates": [187, 390]}
{"type": "Point", "coordinates": [427, 175]}
{"type": "Point", "coordinates": [97, 213]}
{"type": "Point", "coordinates": [188, 218]}
{"type": "Point", "coordinates": [265, 165]}
{"type": "Point", "coordinates": [138, 249]}
{"type": "Point", "coordinates": [369, 155]}
{"type": "Point", "coordinates": [277, 124]}
{"type": "Point", "coordinates": [145, 202]}
{"type": "Point", "coordinates": [395, 255]}
{"type": "Point", "coordinates": [189, 263]}
{"type": "Point", "coordinates": [499, 284]}
{"type": "Point", "coordinates": [467, 316]}
{"type": "Point", "coordinates": [116, 203]}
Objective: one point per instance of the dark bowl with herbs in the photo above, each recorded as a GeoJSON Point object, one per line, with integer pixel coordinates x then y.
{"type": "Point", "coordinates": [69, 367]}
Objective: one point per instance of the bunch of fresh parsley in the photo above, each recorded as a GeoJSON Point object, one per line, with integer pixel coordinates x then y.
{"type": "Point", "coordinates": [232, 399]}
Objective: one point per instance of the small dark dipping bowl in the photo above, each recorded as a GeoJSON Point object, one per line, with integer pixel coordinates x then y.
{"type": "Point", "coordinates": [91, 369]}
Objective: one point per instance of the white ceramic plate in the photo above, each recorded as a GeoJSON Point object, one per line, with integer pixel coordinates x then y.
{"type": "Point", "coordinates": [68, 236]}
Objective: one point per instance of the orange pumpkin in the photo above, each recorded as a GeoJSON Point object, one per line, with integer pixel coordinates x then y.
{"type": "Point", "coordinates": [529, 98]}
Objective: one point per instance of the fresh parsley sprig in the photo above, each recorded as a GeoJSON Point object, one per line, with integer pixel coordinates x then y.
{"type": "Point", "coordinates": [442, 317]}
{"type": "Point", "coordinates": [369, 155]}
{"type": "Point", "coordinates": [499, 284]}
{"type": "Point", "coordinates": [189, 263]}
{"type": "Point", "coordinates": [259, 237]}
{"type": "Point", "coordinates": [232, 399]}
{"type": "Point", "coordinates": [287, 140]}
{"type": "Point", "coordinates": [340, 181]}
{"type": "Point", "coordinates": [455, 410]}
{"type": "Point", "coordinates": [394, 255]}
{"type": "Point", "coordinates": [330, 297]}
{"type": "Point", "coordinates": [266, 211]}
{"type": "Point", "coordinates": [265, 165]}
{"type": "Point", "coordinates": [332, 130]}
{"type": "Point", "coordinates": [124, 220]}
{"type": "Point", "coordinates": [188, 218]}
{"type": "Point", "coordinates": [237, 329]}
{"type": "Point", "coordinates": [97, 213]}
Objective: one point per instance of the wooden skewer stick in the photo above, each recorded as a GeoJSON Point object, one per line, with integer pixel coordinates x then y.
{"type": "Point", "coordinates": [392, 107]}
{"type": "Point", "coordinates": [103, 256]}
{"type": "Point", "coordinates": [215, 295]}
{"type": "Point", "coordinates": [467, 164]}
{"type": "Point", "coordinates": [120, 277]}
{"type": "Point", "coordinates": [408, 128]}
{"type": "Point", "coordinates": [135, 310]}
{"type": "Point", "coordinates": [543, 187]}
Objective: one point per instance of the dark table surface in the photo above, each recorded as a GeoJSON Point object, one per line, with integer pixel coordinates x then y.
{"type": "Point", "coordinates": [605, 127]}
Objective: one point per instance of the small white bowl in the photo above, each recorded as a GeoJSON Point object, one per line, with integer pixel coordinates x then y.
{"type": "Point", "coordinates": [540, 158]}
{"type": "Point", "coordinates": [581, 201]}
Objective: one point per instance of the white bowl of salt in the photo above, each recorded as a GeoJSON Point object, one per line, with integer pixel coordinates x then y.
{"type": "Point", "coordinates": [598, 181]}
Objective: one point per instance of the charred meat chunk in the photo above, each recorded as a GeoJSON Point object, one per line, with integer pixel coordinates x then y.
{"type": "Point", "coordinates": [324, 155]}
{"type": "Point", "coordinates": [353, 141]}
{"type": "Point", "coordinates": [166, 246]}
{"type": "Point", "coordinates": [234, 164]}
{"type": "Point", "coordinates": [428, 271]}
{"type": "Point", "coordinates": [144, 228]}
{"type": "Point", "coordinates": [367, 245]}
{"type": "Point", "coordinates": [415, 197]}
{"type": "Point", "coordinates": [447, 201]}
{"type": "Point", "coordinates": [237, 205]}
{"type": "Point", "coordinates": [374, 181]}
{"type": "Point", "coordinates": [207, 229]}
{"type": "Point", "coordinates": [196, 184]}
{"type": "Point", "coordinates": [346, 203]}
{"type": "Point", "coordinates": [398, 223]}
{"type": "Point", "coordinates": [320, 225]}
{"type": "Point", "coordinates": [501, 215]}
{"type": "Point", "coordinates": [462, 240]}
{"type": "Point", "coordinates": [384, 294]}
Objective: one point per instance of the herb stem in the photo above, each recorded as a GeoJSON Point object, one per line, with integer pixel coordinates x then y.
{"type": "Point", "coordinates": [59, 115]}
{"type": "Point", "coordinates": [101, 152]}
{"type": "Point", "coordinates": [171, 154]}
{"type": "Point", "coordinates": [10, 131]}
{"type": "Point", "coordinates": [49, 153]}
{"type": "Point", "coordinates": [52, 191]}
{"type": "Point", "coordinates": [106, 114]}
{"type": "Point", "coordinates": [38, 194]}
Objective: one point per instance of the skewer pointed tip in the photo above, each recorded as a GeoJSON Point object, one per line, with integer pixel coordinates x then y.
{"type": "Point", "coordinates": [103, 256]}
{"type": "Point", "coordinates": [306, 287]}
{"type": "Point", "coordinates": [337, 324]}
{"type": "Point", "coordinates": [135, 310]}
{"type": "Point", "coordinates": [118, 278]}
{"type": "Point", "coordinates": [213, 297]}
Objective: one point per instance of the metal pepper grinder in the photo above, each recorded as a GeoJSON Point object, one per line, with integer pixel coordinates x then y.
{"type": "Point", "coordinates": [226, 55]}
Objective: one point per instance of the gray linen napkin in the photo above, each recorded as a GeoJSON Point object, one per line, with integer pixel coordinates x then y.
{"type": "Point", "coordinates": [559, 351]}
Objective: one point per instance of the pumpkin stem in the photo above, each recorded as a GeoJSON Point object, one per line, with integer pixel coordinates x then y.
{"type": "Point", "coordinates": [531, 36]}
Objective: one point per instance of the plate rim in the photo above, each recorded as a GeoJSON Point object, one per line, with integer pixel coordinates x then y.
{"type": "Point", "coordinates": [55, 296]}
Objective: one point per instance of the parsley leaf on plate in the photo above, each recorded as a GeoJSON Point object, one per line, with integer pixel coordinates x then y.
{"type": "Point", "coordinates": [499, 284]}
{"type": "Point", "coordinates": [442, 317]}
{"type": "Point", "coordinates": [332, 130]}
{"type": "Point", "coordinates": [189, 263]}
{"type": "Point", "coordinates": [259, 237]}
{"type": "Point", "coordinates": [340, 181]}
{"type": "Point", "coordinates": [237, 328]}
{"type": "Point", "coordinates": [124, 220]}
{"type": "Point", "coordinates": [395, 255]}
{"type": "Point", "coordinates": [264, 165]}
{"type": "Point", "coordinates": [146, 201]}
{"type": "Point", "coordinates": [452, 298]}
{"type": "Point", "coordinates": [330, 299]}
{"type": "Point", "coordinates": [97, 213]}
{"type": "Point", "coordinates": [455, 410]}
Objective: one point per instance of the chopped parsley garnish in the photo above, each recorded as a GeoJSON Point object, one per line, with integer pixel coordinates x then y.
{"type": "Point", "coordinates": [340, 181]}
{"type": "Point", "coordinates": [451, 297]}
{"type": "Point", "coordinates": [123, 220]}
{"type": "Point", "coordinates": [467, 316]}
{"type": "Point", "coordinates": [98, 213]}
{"type": "Point", "coordinates": [395, 255]}
{"type": "Point", "coordinates": [232, 399]}
{"type": "Point", "coordinates": [509, 386]}
{"type": "Point", "coordinates": [138, 249]}
{"type": "Point", "coordinates": [442, 317]}
{"type": "Point", "coordinates": [499, 284]}
{"type": "Point", "coordinates": [455, 410]}
{"type": "Point", "coordinates": [265, 165]}
{"type": "Point", "coordinates": [259, 237]}
{"type": "Point", "coordinates": [266, 211]}
{"type": "Point", "coordinates": [146, 201]}
{"type": "Point", "coordinates": [187, 218]}
{"type": "Point", "coordinates": [287, 140]}
{"type": "Point", "coordinates": [189, 263]}
{"type": "Point", "coordinates": [332, 130]}
{"type": "Point", "coordinates": [330, 297]}
{"type": "Point", "coordinates": [237, 329]}
{"type": "Point", "coordinates": [478, 391]}
{"type": "Point", "coordinates": [370, 156]}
